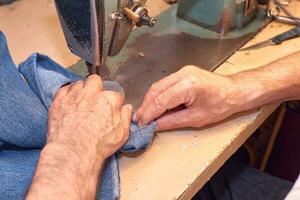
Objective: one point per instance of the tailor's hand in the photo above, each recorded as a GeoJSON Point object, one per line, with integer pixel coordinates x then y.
{"type": "Point", "coordinates": [88, 120]}
{"type": "Point", "coordinates": [207, 98]}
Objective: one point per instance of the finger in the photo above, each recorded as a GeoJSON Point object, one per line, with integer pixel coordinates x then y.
{"type": "Point", "coordinates": [62, 92]}
{"type": "Point", "coordinates": [115, 99]}
{"type": "Point", "coordinates": [180, 119]}
{"type": "Point", "coordinates": [156, 89]}
{"type": "Point", "coordinates": [93, 83]}
{"type": "Point", "coordinates": [74, 87]}
{"type": "Point", "coordinates": [171, 98]}
{"type": "Point", "coordinates": [126, 119]}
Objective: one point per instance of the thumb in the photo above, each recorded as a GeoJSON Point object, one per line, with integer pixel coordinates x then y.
{"type": "Point", "coordinates": [126, 113]}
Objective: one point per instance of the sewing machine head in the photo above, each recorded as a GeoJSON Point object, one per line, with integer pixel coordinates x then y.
{"type": "Point", "coordinates": [96, 29]}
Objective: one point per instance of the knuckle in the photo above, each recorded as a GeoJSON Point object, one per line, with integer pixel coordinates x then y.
{"type": "Point", "coordinates": [189, 67]}
{"type": "Point", "coordinates": [159, 101]}
{"type": "Point", "coordinates": [113, 98]}
{"type": "Point", "coordinates": [94, 77]}
{"type": "Point", "coordinates": [153, 87]}
{"type": "Point", "coordinates": [192, 81]}
{"type": "Point", "coordinates": [156, 86]}
{"type": "Point", "coordinates": [118, 96]}
{"type": "Point", "coordinates": [187, 84]}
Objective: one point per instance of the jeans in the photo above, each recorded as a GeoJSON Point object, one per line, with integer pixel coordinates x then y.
{"type": "Point", "coordinates": [24, 104]}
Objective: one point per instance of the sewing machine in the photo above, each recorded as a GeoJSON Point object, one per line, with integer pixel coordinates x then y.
{"type": "Point", "coordinates": [194, 32]}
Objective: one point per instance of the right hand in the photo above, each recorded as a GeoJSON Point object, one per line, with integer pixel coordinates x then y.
{"type": "Point", "coordinates": [88, 120]}
{"type": "Point", "coordinates": [207, 98]}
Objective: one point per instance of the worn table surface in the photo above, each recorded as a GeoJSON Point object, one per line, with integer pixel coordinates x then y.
{"type": "Point", "coordinates": [180, 162]}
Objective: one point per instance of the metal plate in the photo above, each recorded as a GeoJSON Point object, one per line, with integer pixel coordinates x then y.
{"type": "Point", "coordinates": [166, 54]}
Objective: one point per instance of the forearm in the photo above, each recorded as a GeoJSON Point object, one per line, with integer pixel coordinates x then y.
{"type": "Point", "coordinates": [275, 82]}
{"type": "Point", "coordinates": [85, 126]}
{"type": "Point", "coordinates": [65, 173]}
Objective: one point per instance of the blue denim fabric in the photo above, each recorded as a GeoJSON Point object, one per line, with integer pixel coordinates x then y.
{"type": "Point", "coordinates": [23, 123]}
{"type": "Point", "coordinates": [16, 171]}
{"type": "Point", "coordinates": [19, 106]}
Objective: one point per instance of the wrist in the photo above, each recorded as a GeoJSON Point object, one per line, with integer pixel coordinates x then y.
{"type": "Point", "coordinates": [82, 166]}
{"type": "Point", "coordinates": [249, 92]}
{"type": "Point", "coordinates": [85, 149]}
{"type": "Point", "coordinates": [73, 154]}
{"type": "Point", "coordinates": [62, 172]}
{"type": "Point", "coordinates": [70, 170]}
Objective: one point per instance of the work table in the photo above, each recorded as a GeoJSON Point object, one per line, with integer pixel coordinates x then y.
{"type": "Point", "coordinates": [178, 163]}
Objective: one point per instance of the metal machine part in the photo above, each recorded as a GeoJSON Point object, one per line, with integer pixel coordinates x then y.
{"type": "Point", "coordinates": [139, 16]}
{"type": "Point", "coordinates": [220, 16]}
{"type": "Point", "coordinates": [96, 29]}
{"type": "Point", "coordinates": [282, 8]}
{"type": "Point", "coordinates": [283, 19]}
{"type": "Point", "coordinates": [250, 7]}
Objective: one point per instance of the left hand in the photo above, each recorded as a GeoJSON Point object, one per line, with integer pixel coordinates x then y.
{"type": "Point", "coordinates": [86, 119]}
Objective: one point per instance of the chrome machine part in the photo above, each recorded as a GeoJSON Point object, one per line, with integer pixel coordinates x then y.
{"type": "Point", "coordinates": [139, 16]}
{"type": "Point", "coordinates": [283, 19]}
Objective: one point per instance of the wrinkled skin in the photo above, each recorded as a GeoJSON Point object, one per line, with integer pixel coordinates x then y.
{"type": "Point", "coordinates": [85, 126]}
{"type": "Point", "coordinates": [84, 116]}
{"type": "Point", "coordinates": [207, 98]}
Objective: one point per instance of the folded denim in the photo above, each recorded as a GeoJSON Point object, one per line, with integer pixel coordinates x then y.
{"type": "Point", "coordinates": [23, 123]}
